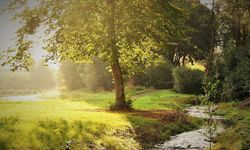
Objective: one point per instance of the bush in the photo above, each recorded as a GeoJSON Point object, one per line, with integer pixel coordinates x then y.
{"type": "Point", "coordinates": [187, 80]}
{"type": "Point", "coordinates": [237, 84]}
{"type": "Point", "coordinates": [158, 77]}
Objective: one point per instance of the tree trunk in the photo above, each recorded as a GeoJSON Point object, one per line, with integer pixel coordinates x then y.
{"type": "Point", "coordinates": [211, 53]}
{"type": "Point", "coordinates": [119, 87]}
{"type": "Point", "coordinates": [120, 102]}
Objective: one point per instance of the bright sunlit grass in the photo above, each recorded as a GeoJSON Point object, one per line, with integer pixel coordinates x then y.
{"type": "Point", "coordinates": [63, 109]}
{"type": "Point", "coordinates": [160, 100]}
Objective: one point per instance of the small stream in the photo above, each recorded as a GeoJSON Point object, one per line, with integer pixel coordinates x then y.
{"type": "Point", "coordinates": [192, 140]}
{"type": "Point", "coordinates": [34, 97]}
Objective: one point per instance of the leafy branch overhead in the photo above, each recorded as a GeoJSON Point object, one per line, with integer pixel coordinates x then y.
{"type": "Point", "coordinates": [78, 30]}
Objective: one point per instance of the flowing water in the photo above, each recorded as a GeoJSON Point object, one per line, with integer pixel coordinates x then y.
{"type": "Point", "coordinates": [32, 97]}
{"type": "Point", "coordinates": [192, 140]}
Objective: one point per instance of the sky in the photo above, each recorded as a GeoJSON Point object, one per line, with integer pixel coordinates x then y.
{"type": "Point", "coordinates": [7, 37]}
{"type": "Point", "coordinates": [208, 3]}
{"type": "Point", "coordinates": [8, 28]}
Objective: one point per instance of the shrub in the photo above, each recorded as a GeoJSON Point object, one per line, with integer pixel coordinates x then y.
{"type": "Point", "coordinates": [237, 84]}
{"type": "Point", "coordinates": [187, 80]}
{"type": "Point", "coordinates": [158, 77]}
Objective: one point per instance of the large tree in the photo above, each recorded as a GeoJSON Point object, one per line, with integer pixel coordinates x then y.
{"type": "Point", "coordinates": [195, 44]}
{"type": "Point", "coordinates": [117, 31]}
{"type": "Point", "coordinates": [234, 22]}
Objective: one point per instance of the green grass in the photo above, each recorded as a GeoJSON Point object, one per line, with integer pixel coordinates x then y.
{"type": "Point", "coordinates": [79, 120]}
{"type": "Point", "coordinates": [163, 100]}
{"type": "Point", "coordinates": [237, 133]}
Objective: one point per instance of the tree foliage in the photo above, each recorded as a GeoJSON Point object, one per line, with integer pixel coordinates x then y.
{"type": "Point", "coordinates": [195, 44]}
{"type": "Point", "coordinates": [77, 30]}
{"type": "Point", "coordinates": [229, 79]}
{"type": "Point", "coordinates": [233, 19]}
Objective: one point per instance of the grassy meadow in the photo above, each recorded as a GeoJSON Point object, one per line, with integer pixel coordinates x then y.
{"type": "Point", "coordinates": [80, 120]}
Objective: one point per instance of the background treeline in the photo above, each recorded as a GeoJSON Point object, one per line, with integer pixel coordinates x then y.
{"type": "Point", "coordinates": [229, 78]}
{"type": "Point", "coordinates": [95, 77]}
{"type": "Point", "coordinates": [90, 76]}
{"type": "Point", "coordinates": [39, 78]}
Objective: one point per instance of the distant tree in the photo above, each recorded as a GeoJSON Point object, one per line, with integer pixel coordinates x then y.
{"type": "Point", "coordinates": [41, 78]}
{"type": "Point", "coordinates": [70, 75]}
{"type": "Point", "coordinates": [118, 31]}
{"type": "Point", "coordinates": [14, 81]}
{"type": "Point", "coordinates": [95, 76]}
{"type": "Point", "coordinates": [90, 76]}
